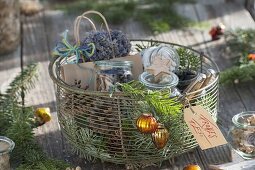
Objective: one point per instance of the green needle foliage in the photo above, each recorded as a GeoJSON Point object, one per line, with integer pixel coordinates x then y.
{"type": "Point", "coordinates": [166, 108]}
{"type": "Point", "coordinates": [239, 44]}
{"type": "Point", "coordinates": [188, 59]}
{"type": "Point", "coordinates": [240, 41]}
{"type": "Point", "coordinates": [16, 122]}
{"type": "Point", "coordinates": [238, 74]}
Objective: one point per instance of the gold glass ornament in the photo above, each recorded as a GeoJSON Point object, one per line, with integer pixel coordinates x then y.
{"type": "Point", "coordinates": [146, 123]}
{"type": "Point", "coordinates": [192, 167]}
{"type": "Point", "coordinates": [43, 115]}
{"type": "Point", "coordinates": [160, 137]}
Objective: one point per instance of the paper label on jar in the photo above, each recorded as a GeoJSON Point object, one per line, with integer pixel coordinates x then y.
{"type": "Point", "coordinates": [203, 127]}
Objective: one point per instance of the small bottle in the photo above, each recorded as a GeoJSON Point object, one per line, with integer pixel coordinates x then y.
{"type": "Point", "coordinates": [111, 72]}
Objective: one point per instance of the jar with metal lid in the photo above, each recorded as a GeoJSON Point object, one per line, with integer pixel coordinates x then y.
{"type": "Point", "coordinates": [167, 81]}
{"type": "Point", "coordinates": [111, 72]}
{"type": "Point", "coordinates": [6, 146]}
{"type": "Point", "coordinates": [242, 134]}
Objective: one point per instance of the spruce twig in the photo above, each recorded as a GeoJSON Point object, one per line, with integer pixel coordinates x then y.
{"type": "Point", "coordinates": [240, 43]}
{"type": "Point", "coordinates": [16, 123]}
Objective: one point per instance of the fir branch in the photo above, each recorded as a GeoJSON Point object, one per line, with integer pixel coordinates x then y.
{"type": "Point", "coordinates": [188, 59]}
{"type": "Point", "coordinates": [240, 43]}
{"type": "Point", "coordinates": [9, 102]}
{"type": "Point", "coordinates": [24, 81]}
{"type": "Point", "coordinates": [164, 106]}
{"type": "Point", "coordinates": [238, 74]}
{"type": "Point", "coordinates": [16, 122]}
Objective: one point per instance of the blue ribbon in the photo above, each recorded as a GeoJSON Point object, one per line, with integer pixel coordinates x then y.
{"type": "Point", "coordinates": [65, 49]}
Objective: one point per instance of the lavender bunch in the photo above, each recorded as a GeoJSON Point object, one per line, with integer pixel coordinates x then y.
{"type": "Point", "coordinates": [121, 44]}
{"type": "Point", "coordinates": [106, 48]}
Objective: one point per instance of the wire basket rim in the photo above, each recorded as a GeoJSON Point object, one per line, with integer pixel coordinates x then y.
{"type": "Point", "coordinates": [64, 85]}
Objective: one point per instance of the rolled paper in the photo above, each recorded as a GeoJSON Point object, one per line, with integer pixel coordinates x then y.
{"type": "Point", "coordinates": [195, 85]}
{"type": "Point", "coordinates": [209, 76]}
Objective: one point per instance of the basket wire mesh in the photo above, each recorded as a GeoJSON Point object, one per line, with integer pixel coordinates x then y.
{"type": "Point", "coordinates": [100, 126]}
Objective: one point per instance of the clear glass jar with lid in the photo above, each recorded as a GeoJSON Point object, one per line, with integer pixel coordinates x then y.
{"type": "Point", "coordinates": [111, 72]}
{"type": "Point", "coordinates": [6, 146]}
{"type": "Point", "coordinates": [242, 134]}
{"type": "Point", "coordinates": [168, 81]}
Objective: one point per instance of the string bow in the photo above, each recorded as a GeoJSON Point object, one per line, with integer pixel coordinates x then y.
{"type": "Point", "coordinates": [65, 49]}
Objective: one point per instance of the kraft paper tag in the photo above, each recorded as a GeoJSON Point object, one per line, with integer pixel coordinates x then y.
{"type": "Point", "coordinates": [203, 127]}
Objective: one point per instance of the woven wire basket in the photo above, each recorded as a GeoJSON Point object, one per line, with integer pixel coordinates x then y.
{"type": "Point", "coordinates": [100, 126]}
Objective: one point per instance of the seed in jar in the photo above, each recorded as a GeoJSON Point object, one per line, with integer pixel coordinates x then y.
{"type": "Point", "coordinates": [251, 120]}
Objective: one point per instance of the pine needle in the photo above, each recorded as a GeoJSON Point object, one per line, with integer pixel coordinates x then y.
{"type": "Point", "coordinates": [16, 123]}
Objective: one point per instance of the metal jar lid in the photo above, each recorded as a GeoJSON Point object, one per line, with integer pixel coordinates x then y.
{"type": "Point", "coordinates": [6, 145]}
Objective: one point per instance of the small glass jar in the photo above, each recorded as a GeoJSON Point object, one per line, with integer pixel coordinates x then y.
{"type": "Point", "coordinates": [111, 72]}
{"type": "Point", "coordinates": [169, 81]}
{"type": "Point", "coordinates": [242, 134]}
{"type": "Point", "coordinates": [6, 146]}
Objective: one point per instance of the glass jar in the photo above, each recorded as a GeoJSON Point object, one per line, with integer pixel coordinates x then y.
{"type": "Point", "coordinates": [242, 134]}
{"type": "Point", "coordinates": [6, 146]}
{"type": "Point", "coordinates": [169, 81]}
{"type": "Point", "coordinates": [111, 72]}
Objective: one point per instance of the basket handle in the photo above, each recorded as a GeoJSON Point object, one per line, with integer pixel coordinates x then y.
{"type": "Point", "coordinates": [78, 20]}
{"type": "Point", "coordinates": [77, 27]}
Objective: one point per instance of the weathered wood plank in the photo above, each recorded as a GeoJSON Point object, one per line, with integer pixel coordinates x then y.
{"type": "Point", "coordinates": [9, 68]}
{"type": "Point", "coordinates": [35, 49]}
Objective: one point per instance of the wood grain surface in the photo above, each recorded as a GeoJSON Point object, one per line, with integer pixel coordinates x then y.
{"type": "Point", "coordinates": [41, 32]}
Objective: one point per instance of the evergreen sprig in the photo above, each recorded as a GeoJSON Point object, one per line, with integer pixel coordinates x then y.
{"type": "Point", "coordinates": [238, 74]}
{"type": "Point", "coordinates": [188, 59]}
{"type": "Point", "coordinates": [16, 122]}
{"type": "Point", "coordinates": [240, 41]}
{"type": "Point", "coordinates": [239, 44]}
{"type": "Point", "coordinates": [10, 107]}
{"type": "Point", "coordinates": [165, 107]}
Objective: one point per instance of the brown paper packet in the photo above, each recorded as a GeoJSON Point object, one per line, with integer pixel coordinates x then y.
{"type": "Point", "coordinates": [137, 68]}
{"type": "Point", "coordinates": [85, 73]}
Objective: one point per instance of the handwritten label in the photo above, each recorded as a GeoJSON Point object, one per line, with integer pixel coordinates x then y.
{"type": "Point", "coordinates": [203, 127]}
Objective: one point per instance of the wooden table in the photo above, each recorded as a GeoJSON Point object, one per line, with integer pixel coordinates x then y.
{"type": "Point", "coordinates": [41, 32]}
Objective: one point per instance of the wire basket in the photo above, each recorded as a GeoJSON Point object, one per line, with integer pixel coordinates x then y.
{"type": "Point", "coordinates": [100, 126]}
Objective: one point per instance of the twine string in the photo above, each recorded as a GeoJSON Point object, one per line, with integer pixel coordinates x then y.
{"type": "Point", "coordinates": [65, 49]}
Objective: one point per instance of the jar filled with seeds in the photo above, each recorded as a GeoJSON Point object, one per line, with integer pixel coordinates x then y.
{"type": "Point", "coordinates": [242, 134]}
{"type": "Point", "coordinates": [6, 146]}
{"type": "Point", "coordinates": [111, 72]}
